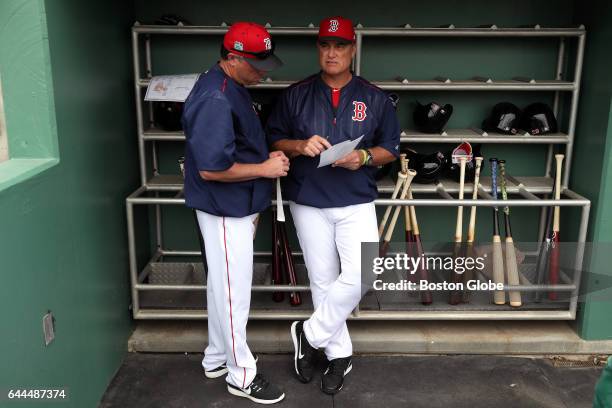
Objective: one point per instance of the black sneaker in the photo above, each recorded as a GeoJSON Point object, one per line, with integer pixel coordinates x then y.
{"type": "Point", "coordinates": [216, 372]}
{"type": "Point", "coordinates": [305, 355]}
{"type": "Point", "coordinates": [259, 391]}
{"type": "Point", "coordinates": [222, 369]}
{"type": "Point", "coordinates": [333, 377]}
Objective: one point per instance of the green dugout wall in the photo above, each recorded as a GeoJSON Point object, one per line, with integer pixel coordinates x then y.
{"type": "Point", "coordinates": [62, 231]}
{"type": "Point", "coordinates": [65, 68]}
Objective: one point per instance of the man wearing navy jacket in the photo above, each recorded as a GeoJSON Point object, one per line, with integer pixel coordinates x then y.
{"type": "Point", "coordinates": [332, 206]}
{"type": "Point", "coordinates": [228, 172]}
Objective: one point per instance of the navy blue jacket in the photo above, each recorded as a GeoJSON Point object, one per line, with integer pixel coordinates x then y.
{"type": "Point", "coordinates": [305, 109]}
{"type": "Point", "coordinates": [222, 128]}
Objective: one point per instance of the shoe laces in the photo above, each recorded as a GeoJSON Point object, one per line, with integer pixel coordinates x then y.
{"type": "Point", "coordinates": [337, 366]}
{"type": "Point", "coordinates": [260, 382]}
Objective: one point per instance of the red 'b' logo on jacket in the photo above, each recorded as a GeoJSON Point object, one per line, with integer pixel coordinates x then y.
{"type": "Point", "coordinates": [359, 111]}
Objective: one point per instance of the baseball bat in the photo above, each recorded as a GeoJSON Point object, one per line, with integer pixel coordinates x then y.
{"type": "Point", "coordinates": [276, 261]}
{"type": "Point", "coordinates": [426, 297]}
{"type": "Point", "coordinates": [544, 250]}
{"type": "Point", "coordinates": [553, 267]}
{"type": "Point", "coordinates": [499, 296]}
{"type": "Point", "coordinates": [409, 236]}
{"type": "Point", "coordinates": [409, 175]}
{"type": "Point", "coordinates": [396, 190]}
{"type": "Point", "coordinates": [295, 298]}
{"type": "Point", "coordinates": [472, 228]}
{"type": "Point", "coordinates": [455, 295]}
{"type": "Point", "coordinates": [511, 265]}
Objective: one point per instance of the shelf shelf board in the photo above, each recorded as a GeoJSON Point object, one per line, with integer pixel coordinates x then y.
{"type": "Point", "coordinates": [413, 136]}
{"type": "Point", "coordinates": [406, 31]}
{"type": "Point", "coordinates": [535, 185]}
{"type": "Point", "coordinates": [476, 136]}
{"type": "Point", "coordinates": [453, 85]}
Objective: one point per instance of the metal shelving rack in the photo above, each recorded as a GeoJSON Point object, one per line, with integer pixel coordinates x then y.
{"type": "Point", "coordinates": [159, 189]}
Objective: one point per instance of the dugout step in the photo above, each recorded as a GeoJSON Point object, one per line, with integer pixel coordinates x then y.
{"type": "Point", "coordinates": [416, 337]}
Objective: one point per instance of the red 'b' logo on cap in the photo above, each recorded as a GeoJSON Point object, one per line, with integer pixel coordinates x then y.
{"type": "Point", "coordinates": [359, 111]}
{"type": "Point", "coordinates": [333, 26]}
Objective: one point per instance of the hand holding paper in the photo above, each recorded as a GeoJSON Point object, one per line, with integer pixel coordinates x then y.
{"type": "Point", "coordinates": [338, 151]}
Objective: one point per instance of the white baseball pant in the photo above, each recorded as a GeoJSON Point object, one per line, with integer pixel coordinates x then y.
{"type": "Point", "coordinates": [331, 242]}
{"type": "Point", "coordinates": [229, 255]}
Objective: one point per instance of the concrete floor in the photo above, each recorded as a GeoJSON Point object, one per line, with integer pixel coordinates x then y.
{"type": "Point", "coordinates": [177, 380]}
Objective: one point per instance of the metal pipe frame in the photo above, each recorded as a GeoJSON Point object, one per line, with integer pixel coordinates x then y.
{"type": "Point", "coordinates": [154, 314]}
{"type": "Point", "coordinates": [306, 288]}
{"type": "Point", "coordinates": [574, 109]}
{"type": "Point", "coordinates": [404, 138]}
{"type": "Point", "coordinates": [376, 31]}
{"type": "Point", "coordinates": [431, 85]}
{"type": "Point", "coordinates": [429, 202]}
{"type": "Point", "coordinates": [139, 116]}
{"type": "Point", "coordinates": [530, 200]}
{"type": "Point", "coordinates": [359, 44]}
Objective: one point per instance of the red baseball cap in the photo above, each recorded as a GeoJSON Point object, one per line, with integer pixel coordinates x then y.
{"type": "Point", "coordinates": [337, 29]}
{"type": "Point", "coordinates": [253, 42]}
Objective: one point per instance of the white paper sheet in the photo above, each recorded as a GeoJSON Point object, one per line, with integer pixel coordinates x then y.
{"type": "Point", "coordinates": [338, 151]}
{"type": "Point", "coordinates": [173, 88]}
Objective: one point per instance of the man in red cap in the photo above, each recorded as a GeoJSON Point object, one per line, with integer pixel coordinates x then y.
{"type": "Point", "coordinates": [228, 181]}
{"type": "Point", "coordinates": [332, 206]}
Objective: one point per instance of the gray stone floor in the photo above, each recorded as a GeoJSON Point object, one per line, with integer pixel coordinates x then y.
{"type": "Point", "coordinates": [177, 380]}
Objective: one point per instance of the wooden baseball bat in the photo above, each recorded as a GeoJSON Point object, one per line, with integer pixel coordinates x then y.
{"type": "Point", "coordinates": [385, 246]}
{"type": "Point", "coordinates": [426, 297]}
{"type": "Point", "coordinates": [499, 296]}
{"type": "Point", "coordinates": [511, 265]}
{"type": "Point", "coordinates": [472, 228]}
{"type": "Point", "coordinates": [295, 298]}
{"type": "Point", "coordinates": [544, 250]}
{"type": "Point", "coordinates": [455, 295]}
{"type": "Point", "coordinates": [409, 237]}
{"type": "Point", "coordinates": [398, 185]}
{"type": "Point", "coordinates": [553, 267]}
{"type": "Point", "coordinates": [276, 261]}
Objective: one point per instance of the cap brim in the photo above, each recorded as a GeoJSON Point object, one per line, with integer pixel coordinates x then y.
{"type": "Point", "coordinates": [337, 39]}
{"type": "Point", "coordinates": [269, 63]}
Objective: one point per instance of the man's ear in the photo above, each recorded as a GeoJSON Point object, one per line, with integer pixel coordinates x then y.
{"type": "Point", "coordinates": [233, 59]}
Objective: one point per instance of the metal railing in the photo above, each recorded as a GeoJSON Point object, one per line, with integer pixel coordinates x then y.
{"type": "Point", "coordinates": [525, 187]}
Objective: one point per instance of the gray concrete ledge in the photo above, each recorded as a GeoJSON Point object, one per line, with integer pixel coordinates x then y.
{"type": "Point", "coordinates": [409, 337]}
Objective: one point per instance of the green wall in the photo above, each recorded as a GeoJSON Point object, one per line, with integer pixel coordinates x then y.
{"type": "Point", "coordinates": [592, 162]}
{"type": "Point", "coordinates": [62, 233]}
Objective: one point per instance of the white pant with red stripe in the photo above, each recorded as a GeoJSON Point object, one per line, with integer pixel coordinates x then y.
{"type": "Point", "coordinates": [229, 254]}
{"type": "Point", "coordinates": [331, 241]}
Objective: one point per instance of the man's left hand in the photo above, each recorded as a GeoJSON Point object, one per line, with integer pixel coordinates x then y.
{"type": "Point", "coordinates": [351, 161]}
